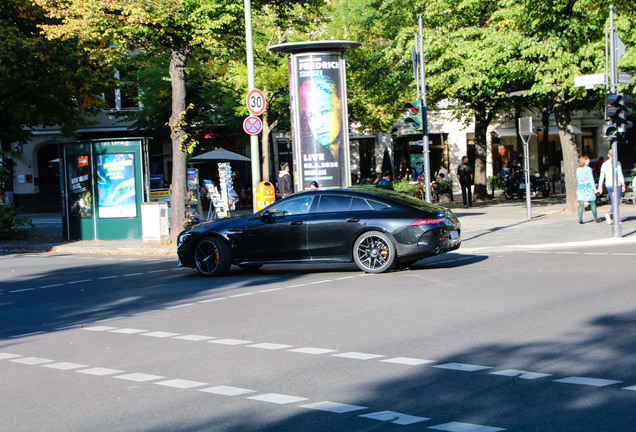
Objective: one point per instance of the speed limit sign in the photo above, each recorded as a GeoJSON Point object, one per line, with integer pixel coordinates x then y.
{"type": "Point", "coordinates": [255, 101]}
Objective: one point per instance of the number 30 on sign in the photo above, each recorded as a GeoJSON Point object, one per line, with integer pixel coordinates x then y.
{"type": "Point", "coordinates": [255, 101]}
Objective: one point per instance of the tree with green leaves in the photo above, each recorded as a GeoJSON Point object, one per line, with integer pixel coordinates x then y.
{"type": "Point", "coordinates": [175, 28]}
{"type": "Point", "coordinates": [567, 40]}
{"type": "Point", "coordinates": [43, 82]}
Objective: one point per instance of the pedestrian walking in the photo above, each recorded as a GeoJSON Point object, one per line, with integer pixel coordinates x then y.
{"type": "Point", "coordinates": [608, 177]}
{"type": "Point", "coordinates": [465, 176]}
{"type": "Point", "coordinates": [585, 189]}
{"type": "Point", "coordinates": [284, 180]}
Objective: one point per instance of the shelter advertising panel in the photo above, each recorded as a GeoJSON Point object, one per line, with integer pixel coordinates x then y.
{"type": "Point", "coordinates": [116, 185]}
{"type": "Point", "coordinates": [80, 194]}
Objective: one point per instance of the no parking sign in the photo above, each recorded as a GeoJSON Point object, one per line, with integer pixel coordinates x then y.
{"type": "Point", "coordinates": [252, 125]}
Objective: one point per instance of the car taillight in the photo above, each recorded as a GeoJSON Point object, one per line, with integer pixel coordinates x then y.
{"type": "Point", "coordinates": [428, 221]}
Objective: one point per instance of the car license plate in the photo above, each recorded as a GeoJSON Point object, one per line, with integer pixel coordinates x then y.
{"type": "Point", "coordinates": [454, 235]}
{"type": "Point", "coordinates": [522, 186]}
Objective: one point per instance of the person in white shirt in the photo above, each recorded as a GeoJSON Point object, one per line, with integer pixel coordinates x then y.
{"type": "Point", "coordinates": [608, 178]}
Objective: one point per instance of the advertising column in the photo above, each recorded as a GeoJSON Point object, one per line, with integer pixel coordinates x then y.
{"type": "Point", "coordinates": [320, 126]}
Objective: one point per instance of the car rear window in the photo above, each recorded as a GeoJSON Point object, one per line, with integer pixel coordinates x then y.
{"type": "Point", "coordinates": [375, 205]}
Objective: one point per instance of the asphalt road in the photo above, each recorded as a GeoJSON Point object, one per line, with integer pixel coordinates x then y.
{"type": "Point", "coordinates": [519, 341]}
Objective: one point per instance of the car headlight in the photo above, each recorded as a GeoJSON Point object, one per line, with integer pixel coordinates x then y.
{"type": "Point", "coordinates": [182, 238]}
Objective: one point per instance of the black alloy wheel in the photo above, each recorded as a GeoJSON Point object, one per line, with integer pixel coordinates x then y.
{"type": "Point", "coordinates": [374, 252]}
{"type": "Point", "coordinates": [212, 257]}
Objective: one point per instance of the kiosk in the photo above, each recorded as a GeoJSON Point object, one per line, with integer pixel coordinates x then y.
{"type": "Point", "coordinates": [102, 185]}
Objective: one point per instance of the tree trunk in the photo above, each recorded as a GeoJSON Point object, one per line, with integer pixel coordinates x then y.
{"type": "Point", "coordinates": [179, 192]}
{"type": "Point", "coordinates": [570, 156]}
{"type": "Point", "coordinates": [483, 116]}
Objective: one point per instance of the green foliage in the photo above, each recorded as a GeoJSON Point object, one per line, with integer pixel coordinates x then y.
{"type": "Point", "coordinates": [442, 187]}
{"type": "Point", "coordinates": [494, 182]}
{"type": "Point", "coordinates": [43, 82]}
{"type": "Point", "coordinates": [404, 186]}
{"type": "Point", "coordinates": [13, 227]}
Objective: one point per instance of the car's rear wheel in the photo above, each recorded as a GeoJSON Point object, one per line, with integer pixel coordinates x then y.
{"type": "Point", "coordinates": [212, 257]}
{"type": "Point", "coordinates": [374, 252]}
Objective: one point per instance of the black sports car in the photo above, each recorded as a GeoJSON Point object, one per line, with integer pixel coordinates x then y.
{"type": "Point", "coordinates": [377, 229]}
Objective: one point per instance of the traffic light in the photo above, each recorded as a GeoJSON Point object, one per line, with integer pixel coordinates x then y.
{"type": "Point", "coordinates": [416, 115]}
{"type": "Point", "coordinates": [617, 113]}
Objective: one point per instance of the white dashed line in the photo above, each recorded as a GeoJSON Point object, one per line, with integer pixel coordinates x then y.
{"type": "Point", "coordinates": [464, 427]}
{"type": "Point", "coordinates": [270, 346]}
{"type": "Point", "coordinates": [65, 366]}
{"type": "Point", "coordinates": [277, 398]}
{"type": "Point", "coordinates": [520, 374]}
{"type": "Point", "coordinates": [462, 367]}
{"type": "Point", "coordinates": [595, 382]}
{"type": "Point", "coordinates": [358, 355]}
{"type": "Point", "coordinates": [100, 371]}
{"type": "Point", "coordinates": [227, 390]}
{"type": "Point", "coordinates": [334, 407]}
{"type": "Point", "coordinates": [230, 341]}
{"type": "Point", "coordinates": [139, 377]}
{"type": "Point", "coordinates": [160, 334]}
{"type": "Point", "coordinates": [194, 338]}
{"type": "Point", "coordinates": [181, 383]}
{"type": "Point", "coordinates": [407, 361]}
{"type": "Point", "coordinates": [395, 417]}
{"type": "Point", "coordinates": [79, 281]}
{"type": "Point", "coordinates": [309, 350]}
{"type": "Point", "coordinates": [31, 360]}
{"type": "Point", "coordinates": [128, 331]}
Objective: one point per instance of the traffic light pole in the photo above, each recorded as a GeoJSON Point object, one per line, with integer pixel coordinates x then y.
{"type": "Point", "coordinates": [613, 78]}
{"type": "Point", "coordinates": [425, 149]}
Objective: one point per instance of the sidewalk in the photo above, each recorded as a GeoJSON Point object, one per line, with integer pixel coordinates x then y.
{"type": "Point", "coordinates": [494, 226]}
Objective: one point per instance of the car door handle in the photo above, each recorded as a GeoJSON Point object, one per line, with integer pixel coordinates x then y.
{"type": "Point", "coordinates": [296, 223]}
{"type": "Point", "coordinates": [353, 220]}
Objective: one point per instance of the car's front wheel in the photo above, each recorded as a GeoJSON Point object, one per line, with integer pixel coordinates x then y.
{"type": "Point", "coordinates": [212, 257]}
{"type": "Point", "coordinates": [374, 252]}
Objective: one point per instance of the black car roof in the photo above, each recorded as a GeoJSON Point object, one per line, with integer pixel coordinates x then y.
{"type": "Point", "coordinates": [373, 192]}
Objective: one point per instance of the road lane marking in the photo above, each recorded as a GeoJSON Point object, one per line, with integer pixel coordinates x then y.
{"type": "Point", "coordinates": [395, 417]}
{"type": "Point", "coordinates": [334, 407]}
{"type": "Point", "coordinates": [520, 374]}
{"type": "Point", "coordinates": [31, 360]}
{"type": "Point", "coordinates": [462, 367]}
{"type": "Point", "coordinates": [227, 390]}
{"type": "Point", "coordinates": [310, 350]}
{"type": "Point", "coordinates": [65, 366]}
{"type": "Point", "coordinates": [100, 371]}
{"type": "Point", "coordinates": [407, 361]}
{"type": "Point", "coordinates": [194, 338]}
{"type": "Point", "coordinates": [230, 341]}
{"type": "Point", "coordinates": [270, 346]}
{"type": "Point", "coordinates": [181, 383]}
{"type": "Point", "coordinates": [139, 377]}
{"type": "Point", "coordinates": [277, 398]}
{"type": "Point", "coordinates": [358, 355]}
{"type": "Point", "coordinates": [595, 382]}
{"type": "Point", "coordinates": [464, 427]}
{"type": "Point", "coordinates": [160, 334]}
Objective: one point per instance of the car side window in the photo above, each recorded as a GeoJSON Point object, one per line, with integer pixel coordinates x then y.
{"type": "Point", "coordinates": [294, 206]}
{"type": "Point", "coordinates": [334, 203]}
{"type": "Point", "coordinates": [358, 204]}
{"type": "Point", "coordinates": [375, 205]}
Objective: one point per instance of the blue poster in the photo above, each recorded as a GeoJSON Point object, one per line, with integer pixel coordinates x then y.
{"type": "Point", "coordinates": [116, 185]}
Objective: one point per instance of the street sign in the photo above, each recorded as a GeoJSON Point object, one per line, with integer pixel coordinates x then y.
{"type": "Point", "coordinates": [589, 80]}
{"type": "Point", "coordinates": [255, 101]}
{"type": "Point", "coordinates": [252, 125]}
{"type": "Point", "coordinates": [625, 78]}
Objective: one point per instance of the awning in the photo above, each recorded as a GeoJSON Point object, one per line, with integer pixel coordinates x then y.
{"type": "Point", "coordinates": [219, 155]}
{"type": "Point", "coordinates": [511, 132]}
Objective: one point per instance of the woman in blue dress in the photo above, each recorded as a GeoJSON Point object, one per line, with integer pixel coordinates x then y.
{"type": "Point", "coordinates": [586, 188]}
